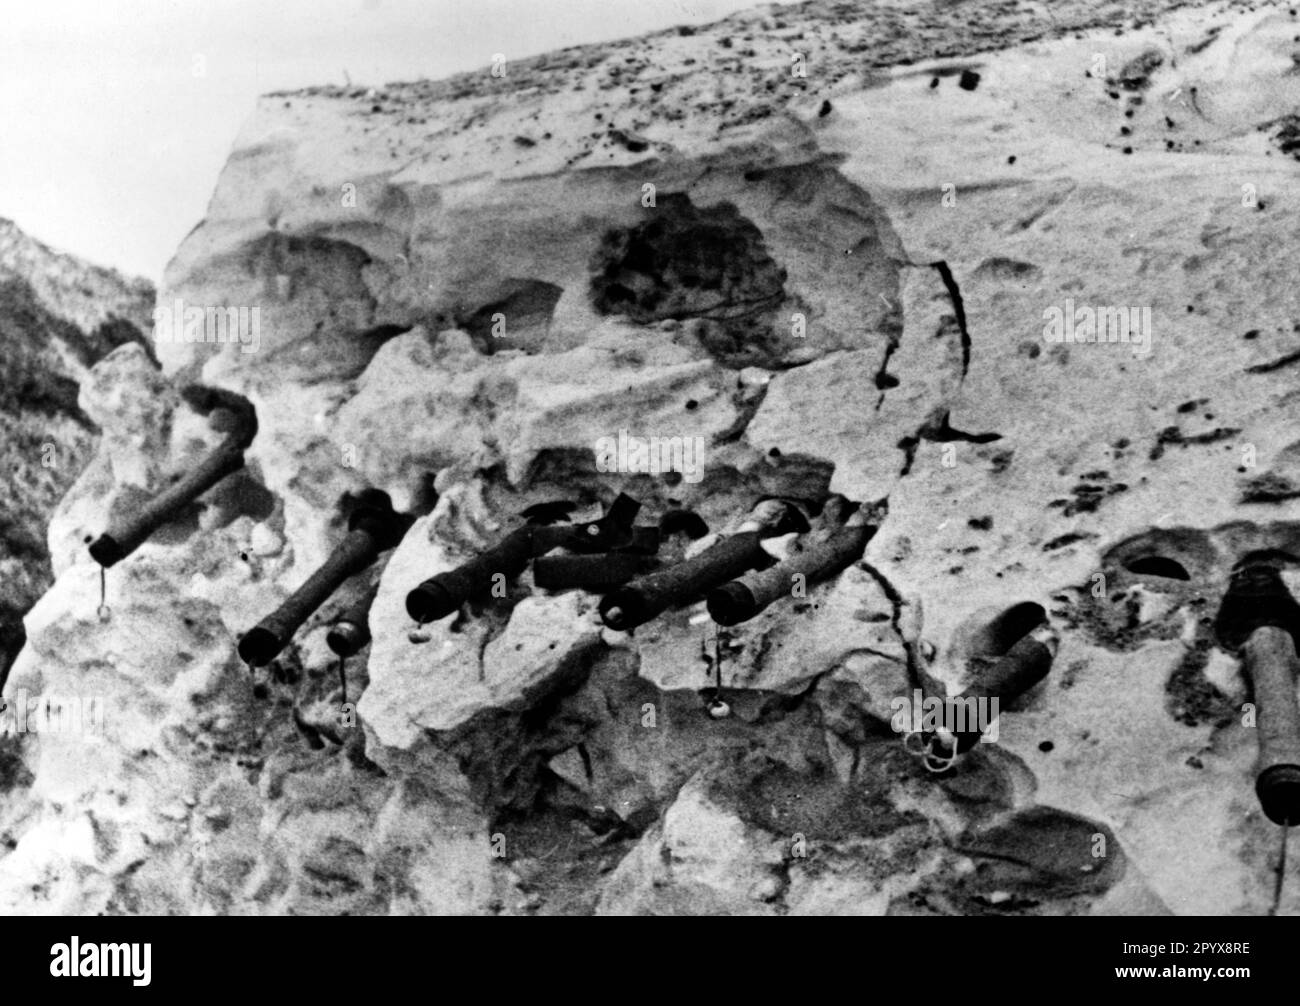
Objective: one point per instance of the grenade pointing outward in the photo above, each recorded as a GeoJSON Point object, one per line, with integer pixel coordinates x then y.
{"type": "Point", "coordinates": [605, 571]}
{"type": "Point", "coordinates": [374, 527]}
{"type": "Point", "coordinates": [9, 649]}
{"type": "Point", "coordinates": [1271, 658]}
{"type": "Point", "coordinates": [1024, 665]}
{"type": "Point", "coordinates": [1018, 668]}
{"type": "Point", "coordinates": [440, 595]}
{"type": "Point", "coordinates": [646, 597]}
{"type": "Point", "coordinates": [829, 551]}
{"type": "Point", "coordinates": [125, 536]}
{"type": "Point", "coordinates": [350, 633]}
{"type": "Point", "coordinates": [1259, 619]}
{"type": "Point", "coordinates": [589, 572]}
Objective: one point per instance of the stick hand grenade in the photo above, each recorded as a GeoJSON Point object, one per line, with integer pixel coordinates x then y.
{"type": "Point", "coordinates": [1259, 620]}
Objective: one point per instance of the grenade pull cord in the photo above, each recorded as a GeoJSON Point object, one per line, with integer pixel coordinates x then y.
{"type": "Point", "coordinates": [343, 678]}
{"type": "Point", "coordinates": [936, 758]}
{"type": "Point", "coordinates": [103, 610]}
{"type": "Point", "coordinates": [1281, 872]}
{"type": "Point", "coordinates": [916, 743]}
{"type": "Point", "coordinates": [936, 750]}
{"type": "Point", "coordinates": [717, 708]}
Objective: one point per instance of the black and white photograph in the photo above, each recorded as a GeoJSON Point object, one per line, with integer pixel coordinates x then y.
{"type": "Point", "coordinates": [624, 458]}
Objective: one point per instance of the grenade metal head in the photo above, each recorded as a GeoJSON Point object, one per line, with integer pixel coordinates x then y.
{"type": "Point", "coordinates": [106, 550]}
{"type": "Point", "coordinates": [347, 638]}
{"type": "Point", "coordinates": [776, 516]}
{"type": "Point", "coordinates": [611, 531]}
{"type": "Point", "coordinates": [371, 510]}
{"type": "Point", "coordinates": [1278, 789]}
{"type": "Point", "coordinates": [1256, 597]}
{"type": "Point", "coordinates": [688, 522]}
{"type": "Point", "coordinates": [549, 512]}
{"type": "Point", "coordinates": [240, 425]}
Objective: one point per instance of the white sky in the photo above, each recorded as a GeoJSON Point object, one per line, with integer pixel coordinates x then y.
{"type": "Point", "coordinates": [110, 144]}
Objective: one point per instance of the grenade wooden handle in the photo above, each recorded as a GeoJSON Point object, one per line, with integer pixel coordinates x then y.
{"type": "Point", "coordinates": [351, 631]}
{"type": "Point", "coordinates": [742, 599]}
{"type": "Point", "coordinates": [644, 598]}
{"type": "Point", "coordinates": [648, 596]}
{"type": "Point", "coordinates": [261, 643]}
{"type": "Point", "coordinates": [589, 572]}
{"type": "Point", "coordinates": [444, 593]}
{"type": "Point", "coordinates": [125, 536]}
{"type": "Point", "coordinates": [1269, 660]}
{"type": "Point", "coordinates": [372, 529]}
